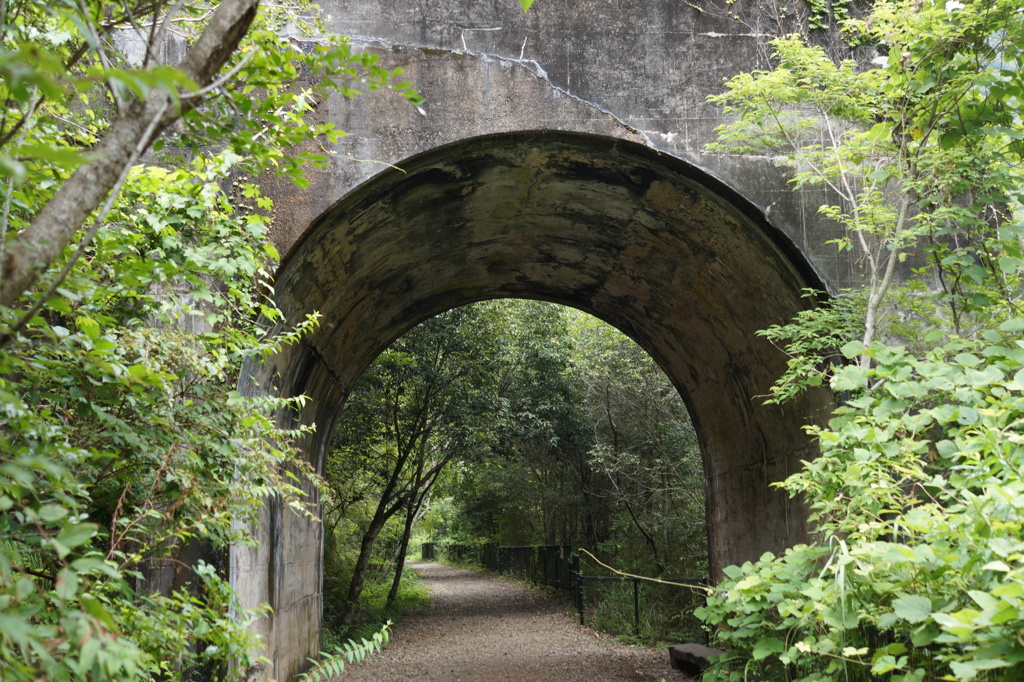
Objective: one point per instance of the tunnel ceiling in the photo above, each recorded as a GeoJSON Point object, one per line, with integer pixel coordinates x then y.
{"type": "Point", "coordinates": [644, 241]}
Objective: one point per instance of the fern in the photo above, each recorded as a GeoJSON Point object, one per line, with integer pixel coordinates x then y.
{"type": "Point", "coordinates": [333, 663]}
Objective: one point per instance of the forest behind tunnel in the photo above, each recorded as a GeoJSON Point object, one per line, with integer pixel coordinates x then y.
{"type": "Point", "coordinates": [515, 423]}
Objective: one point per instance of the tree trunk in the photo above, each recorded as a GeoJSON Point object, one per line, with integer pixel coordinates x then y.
{"type": "Point", "coordinates": [403, 549]}
{"type": "Point", "coordinates": [414, 512]}
{"type": "Point", "coordinates": [35, 249]}
{"type": "Point", "coordinates": [355, 588]}
{"type": "Point", "coordinates": [648, 538]}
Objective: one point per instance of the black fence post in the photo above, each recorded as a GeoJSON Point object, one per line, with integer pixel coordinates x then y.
{"type": "Point", "coordinates": [636, 607]}
{"type": "Point", "coordinates": [578, 592]}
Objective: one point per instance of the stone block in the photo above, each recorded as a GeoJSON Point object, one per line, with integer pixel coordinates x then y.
{"type": "Point", "coordinates": [692, 659]}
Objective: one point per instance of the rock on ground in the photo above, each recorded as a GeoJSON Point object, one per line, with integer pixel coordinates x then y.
{"type": "Point", "coordinates": [482, 627]}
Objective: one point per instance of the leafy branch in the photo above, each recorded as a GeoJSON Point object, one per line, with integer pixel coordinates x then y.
{"type": "Point", "coordinates": [352, 651]}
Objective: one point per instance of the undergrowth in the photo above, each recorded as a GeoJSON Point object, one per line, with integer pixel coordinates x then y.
{"type": "Point", "coordinates": [372, 610]}
{"type": "Point", "coordinates": [666, 612]}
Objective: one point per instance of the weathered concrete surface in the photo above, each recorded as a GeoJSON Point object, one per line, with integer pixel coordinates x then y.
{"type": "Point", "coordinates": [687, 252]}
{"type": "Point", "coordinates": [633, 69]}
{"type": "Point", "coordinates": [677, 260]}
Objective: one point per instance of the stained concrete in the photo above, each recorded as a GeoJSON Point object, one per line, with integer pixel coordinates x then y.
{"type": "Point", "coordinates": [562, 157]}
{"type": "Point", "coordinates": [654, 246]}
{"type": "Point", "coordinates": [630, 69]}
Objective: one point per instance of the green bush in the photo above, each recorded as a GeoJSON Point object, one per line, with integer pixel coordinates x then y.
{"type": "Point", "coordinates": [114, 465]}
{"type": "Point", "coordinates": [917, 501]}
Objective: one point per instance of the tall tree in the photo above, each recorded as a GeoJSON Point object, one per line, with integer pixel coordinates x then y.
{"type": "Point", "coordinates": [644, 448]}
{"type": "Point", "coordinates": [593, 446]}
{"type": "Point", "coordinates": [80, 113]}
{"type": "Point", "coordinates": [140, 119]}
{"type": "Point", "coordinates": [921, 152]}
{"type": "Point", "coordinates": [419, 406]}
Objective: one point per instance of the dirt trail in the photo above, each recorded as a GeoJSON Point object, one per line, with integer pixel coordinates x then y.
{"type": "Point", "coordinates": [481, 627]}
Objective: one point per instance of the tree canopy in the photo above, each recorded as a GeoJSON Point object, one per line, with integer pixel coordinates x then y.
{"type": "Point", "coordinates": [518, 423]}
{"type": "Point", "coordinates": [132, 274]}
{"type": "Point", "coordinates": [915, 571]}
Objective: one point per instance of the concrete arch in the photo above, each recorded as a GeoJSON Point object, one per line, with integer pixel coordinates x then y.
{"type": "Point", "coordinates": [653, 245]}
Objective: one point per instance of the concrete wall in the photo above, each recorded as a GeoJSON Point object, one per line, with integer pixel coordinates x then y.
{"type": "Point", "coordinates": [632, 69]}
{"type": "Point", "coordinates": [561, 158]}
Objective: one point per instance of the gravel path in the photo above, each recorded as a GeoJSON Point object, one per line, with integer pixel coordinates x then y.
{"type": "Point", "coordinates": [482, 627]}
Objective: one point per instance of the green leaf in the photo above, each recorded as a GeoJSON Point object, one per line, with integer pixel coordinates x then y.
{"type": "Point", "coordinates": [66, 585]}
{"type": "Point", "coordinates": [841, 618]}
{"type": "Point", "coordinates": [852, 349]}
{"type": "Point", "coordinates": [52, 512]}
{"type": "Point", "coordinates": [733, 571]}
{"type": "Point", "coordinates": [94, 607]}
{"type": "Point", "coordinates": [849, 378]}
{"type": "Point", "coordinates": [885, 663]}
{"type": "Point", "coordinates": [766, 647]}
{"type": "Point", "coordinates": [73, 536]}
{"type": "Point", "coordinates": [912, 608]}
{"type": "Point", "coordinates": [968, 670]}
{"type": "Point", "coordinates": [64, 156]}
{"type": "Point", "coordinates": [949, 139]}
{"type": "Point", "coordinates": [89, 327]}
{"type": "Point", "coordinates": [1015, 324]}
{"type": "Point", "coordinates": [88, 655]}
{"type": "Point", "coordinates": [1012, 590]}
{"type": "Point", "coordinates": [15, 626]}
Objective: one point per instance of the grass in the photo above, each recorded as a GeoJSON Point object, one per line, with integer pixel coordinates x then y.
{"type": "Point", "coordinates": [373, 611]}
{"type": "Point", "coordinates": [666, 613]}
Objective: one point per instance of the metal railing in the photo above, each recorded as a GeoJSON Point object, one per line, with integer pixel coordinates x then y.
{"type": "Point", "coordinates": [540, 564]}
{"type": "Point", "coordinates": [557, 566]}
{"type": "Point", "coordinates": [687, 604]}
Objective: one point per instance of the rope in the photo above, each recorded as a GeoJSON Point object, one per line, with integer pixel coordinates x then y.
{"type": "Point", "coordinates": [703, 588]}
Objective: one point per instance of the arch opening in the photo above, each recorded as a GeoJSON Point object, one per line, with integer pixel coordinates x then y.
{"type": "Point", "coordinates": [505, 424]}
{"type": "Point", "coordinates": [652, 245]}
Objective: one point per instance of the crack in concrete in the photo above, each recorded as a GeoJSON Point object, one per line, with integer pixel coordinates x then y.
{"type": "Point", "coordinates": [463, 30]}
{"type": "Point", "coordinates": [669, 137]}
{"type": "Point", "coordinates": [714, 34]}
{"type": "Point", "coordinates": [532, 66]}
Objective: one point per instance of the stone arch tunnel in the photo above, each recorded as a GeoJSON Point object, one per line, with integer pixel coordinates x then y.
{"type": "Point", "coordinates": [651, 244]}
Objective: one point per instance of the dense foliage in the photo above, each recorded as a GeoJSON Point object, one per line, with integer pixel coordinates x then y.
{"type": "Point", "coordinates": [592, 447]}
{"type": "Point", "coordinates": [550, 428]}
{"type": "Point", "coordinates": [921, 153]}
{"type": "Point", "coordinates": [919, 499]}
{"type": "Point", "coordinates": [115, 460]}
{"type": "Point", "coordinates": [915, 571]}
{"type": "Point", "coordinates": [423, 403]}
{"type": "Point", "coordinates": [128, 462]}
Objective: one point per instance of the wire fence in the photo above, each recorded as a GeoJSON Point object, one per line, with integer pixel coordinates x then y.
{"type": "Point", "coordinates": [657, 609]}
